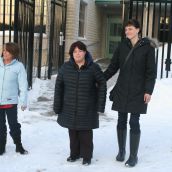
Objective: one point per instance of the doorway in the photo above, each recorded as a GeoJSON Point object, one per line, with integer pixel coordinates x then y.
{"type": "Point", "coordinates": [114, 30]}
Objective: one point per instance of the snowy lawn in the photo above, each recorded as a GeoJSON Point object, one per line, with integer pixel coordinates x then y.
{"type": "Point", "coordinates": [48, 143]}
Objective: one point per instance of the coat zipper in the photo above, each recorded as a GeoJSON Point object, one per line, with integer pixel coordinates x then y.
{"type": "Point", "coordinates": [129, 80]}
{"type": "Point", "coordinates": [3, 83]}
{"type": "Point", "coordinates": [78, 71]}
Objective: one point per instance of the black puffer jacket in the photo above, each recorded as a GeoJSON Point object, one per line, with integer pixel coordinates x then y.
{"type": "Point", "coordinates": [135, 79]}
{"type": "Point", "coordinates": [79, 95]}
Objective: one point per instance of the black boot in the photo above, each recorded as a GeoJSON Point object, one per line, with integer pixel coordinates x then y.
{"type": "Point", "coordinates": [72, 158]}
{"type": "Point", "coordinates": [2, 146]}
{"type": "Point", "coordinates": [134, 145]}
{"type": "Point", "coordinates": [86, 161]}
{"type": "Point", "coordinates": [19, 146]}
{"type": "Point", "coordinates": [121, 134]}
{"type": "Point", "coordinates": [20, 149]}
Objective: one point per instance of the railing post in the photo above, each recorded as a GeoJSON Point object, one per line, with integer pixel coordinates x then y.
{"type": "Point", "coordinates": [40, 38]}
{"type": "Point", "coordinates": [168, 60]}
{"type": "Point", "coordinates": [16, 14]}
{"type": "Point", "coordinates": [50, 53]}
{"type": "Point", "coordinates": [131, 9]}
{"type": "Point", "coordinates": [31, 43]}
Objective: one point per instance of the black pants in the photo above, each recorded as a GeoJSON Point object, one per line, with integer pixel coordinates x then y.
{"type": "Point", "coordinates": [81, 143]}
{"type": "Point", "coordinates": [14, 126]}
{"type": "Point", "coordinates": [134, 122]}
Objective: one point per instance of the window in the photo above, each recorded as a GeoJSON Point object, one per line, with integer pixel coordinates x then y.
{"type": "Point", "coordinates": [81, 32]}
{"type": "Point", "coordinates": [115, 29]}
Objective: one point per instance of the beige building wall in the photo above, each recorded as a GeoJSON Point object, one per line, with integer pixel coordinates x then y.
{"type": "Point", "coordinates": [93, 28]}
{"type": "Point", "coordinates": [72, 23]}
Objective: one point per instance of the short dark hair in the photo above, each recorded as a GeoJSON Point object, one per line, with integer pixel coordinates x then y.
{"type": "Point", "coordinates": [79, 45]}
{"type": "Point", "coordinates": [133, 22]}
{"type": "Point", "coordinates": [12, 48]}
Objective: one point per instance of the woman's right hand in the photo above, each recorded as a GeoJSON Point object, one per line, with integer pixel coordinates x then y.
{"type": "Point", "coordinates": [147, 98]}
{"type": "Point", "coordinates": [23, 108]}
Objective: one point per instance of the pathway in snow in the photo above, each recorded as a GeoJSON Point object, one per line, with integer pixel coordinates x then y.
{"type": "Point", "coordinates": [43, 101]}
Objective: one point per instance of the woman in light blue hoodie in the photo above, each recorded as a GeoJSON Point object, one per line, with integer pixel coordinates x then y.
{"type": "Point", "coordinates": [13, 90]}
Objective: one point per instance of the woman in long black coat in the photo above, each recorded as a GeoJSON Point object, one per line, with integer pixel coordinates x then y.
{"type": "Point", "coordinates": [80, 93]}
{"type": "Point", "coordinates": [134, 86]}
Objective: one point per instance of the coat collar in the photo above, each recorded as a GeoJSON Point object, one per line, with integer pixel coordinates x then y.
{"type": "Point", "coordinates": [2, 63]}
{"type": "Point", "coordinates": [141, 42]}
{"type": "Point", "coordinates": [88, 59]}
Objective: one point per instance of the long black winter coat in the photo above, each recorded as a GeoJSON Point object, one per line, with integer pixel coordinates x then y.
{"type": "Point", "coordinates": [79, 95]}
{"type": "Point", "coordinates": [135, 79]}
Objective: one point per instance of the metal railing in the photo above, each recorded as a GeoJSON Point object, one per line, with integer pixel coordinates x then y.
{"type": "Point", "coordinates": [41, 39]}
{"type": "Point", "coordinates": [156, 22]}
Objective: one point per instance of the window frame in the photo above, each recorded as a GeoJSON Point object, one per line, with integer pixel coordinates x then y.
{"type": "Point", "coordinates": [82, 33]}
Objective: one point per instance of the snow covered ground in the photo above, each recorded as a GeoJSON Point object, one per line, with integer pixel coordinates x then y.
{"type": "Point", "coordinates": [48, 143]}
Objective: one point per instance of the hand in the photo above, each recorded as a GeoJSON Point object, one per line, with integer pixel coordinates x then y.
{"type": "Point", "coordinates": [23, 108]}
{"type": "Point", "coordinates": [147, 98]}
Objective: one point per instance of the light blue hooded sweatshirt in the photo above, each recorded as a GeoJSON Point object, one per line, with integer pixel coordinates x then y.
{"type": "Point", "coordinates": [13, 83]}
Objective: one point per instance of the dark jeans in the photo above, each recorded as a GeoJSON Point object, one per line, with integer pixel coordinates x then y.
{"type": "Point", "coordinates": [12, 121]}
{"type": "Point", "coordinates": [134, 122]}
{"type": "Point", "coordinates": [81, 143]}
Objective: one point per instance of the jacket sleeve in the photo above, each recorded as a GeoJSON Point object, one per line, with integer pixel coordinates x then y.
{"type": "Point", "coordinates": [150, 71]}
{"type": "Point", "coordinates": [23, 85]}
{"type": "Point", "coordinates": [58, 93]}
{"type": "Point", "coordinates": [101, 89]}
{"type": "Point", "coordinates": [113, 66]}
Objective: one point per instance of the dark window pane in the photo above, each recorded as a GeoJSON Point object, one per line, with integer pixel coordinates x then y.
{"type": "Point", "coordinates": [113, 29]}
{"type": "Point", "coordinates": [81, 19]}
{"type": "Point", "coordinates": [112, 46]}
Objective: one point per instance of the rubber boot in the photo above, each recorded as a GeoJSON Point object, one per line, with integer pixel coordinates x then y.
{"type": "Point", "coordinates": [121, 135]}
{"type": "Point", "coordinates": [134, 145]}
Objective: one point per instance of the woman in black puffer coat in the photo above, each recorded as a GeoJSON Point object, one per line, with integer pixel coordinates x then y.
{"type": "Point", "coordinates": [134, 86]}
{"type": "Point", "coordinates": [80, 93]}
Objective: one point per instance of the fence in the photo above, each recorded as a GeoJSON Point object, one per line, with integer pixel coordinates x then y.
{"type": "Point", "coordinates": [155, 17]}
{"type": "Point", "coordinates": [38, 32]}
